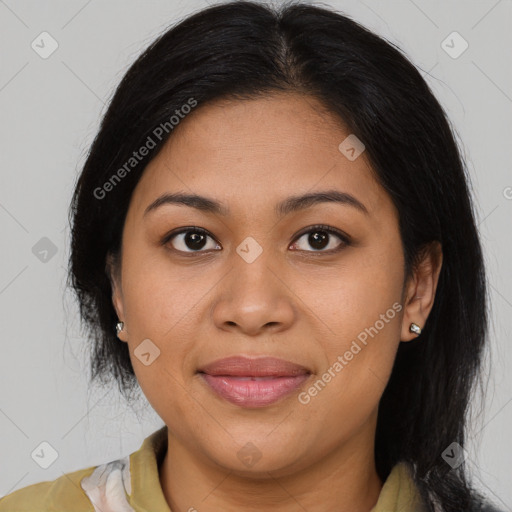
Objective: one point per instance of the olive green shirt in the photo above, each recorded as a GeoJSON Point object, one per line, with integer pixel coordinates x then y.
{"type": "Point", "coordinates": [132, 484]}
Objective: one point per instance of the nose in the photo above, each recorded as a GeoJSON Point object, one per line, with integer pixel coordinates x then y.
{"type": "Point", "coordinates": [254, 299]}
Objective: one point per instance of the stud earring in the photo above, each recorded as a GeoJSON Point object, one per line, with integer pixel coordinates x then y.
{"type": "Point", "coordinates": [415, 328]}
{"type": "Point", "coordinates": [119, 327]}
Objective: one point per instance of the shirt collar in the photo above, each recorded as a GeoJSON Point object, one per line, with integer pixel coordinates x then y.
{"type": "Point", "coordinates": [147, 494]}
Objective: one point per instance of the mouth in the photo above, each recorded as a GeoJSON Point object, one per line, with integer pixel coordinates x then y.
{"type": "Point", "coordinates": [253, 382]}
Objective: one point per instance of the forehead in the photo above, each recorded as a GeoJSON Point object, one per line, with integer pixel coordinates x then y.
{"type": "Point", "coordinates": [259, 151]}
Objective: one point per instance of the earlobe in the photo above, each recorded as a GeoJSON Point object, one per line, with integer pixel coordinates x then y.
{"type": "Point", "coordinates": [121, 331]}
{"type": "Point", "coordinates": [111, 268]}
{"type": "Point", "coordinates": [421, 291]}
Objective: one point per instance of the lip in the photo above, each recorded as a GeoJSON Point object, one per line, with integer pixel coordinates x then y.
{"type": "Point", "coordinates": [253, 382]}
{"type": "Point", "coordinates": [241, 366]}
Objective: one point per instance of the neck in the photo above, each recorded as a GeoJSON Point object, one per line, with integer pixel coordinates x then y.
{"type": "Point", "coordinates": [344, 480]}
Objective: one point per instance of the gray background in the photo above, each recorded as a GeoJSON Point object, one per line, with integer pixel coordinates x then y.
{"type": "Point", "coordinates": [50, 111]}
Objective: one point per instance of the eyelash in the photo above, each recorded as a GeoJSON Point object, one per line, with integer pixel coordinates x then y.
{"type": "Point", "coordinates": [345, 239]}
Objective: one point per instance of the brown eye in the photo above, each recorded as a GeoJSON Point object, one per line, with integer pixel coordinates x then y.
{"type": "Point", "coordinates": [192, 240]}
{"type": "Point", "coordinates": [320, 239]}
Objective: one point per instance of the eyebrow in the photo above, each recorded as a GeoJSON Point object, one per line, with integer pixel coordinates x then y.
{"type": "Point", "coordinates": [289, 205]}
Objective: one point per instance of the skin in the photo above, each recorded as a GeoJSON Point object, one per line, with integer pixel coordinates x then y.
{"type": "Point", "coordinates": [294, 302]}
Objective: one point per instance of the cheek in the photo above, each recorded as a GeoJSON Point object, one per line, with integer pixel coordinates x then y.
{"type": "Point", "coordinates": [359, 350]}
{"type": "Point", "coordinates": [361, 310]}
{"type": "Point", "coordinates": [160, 304]}
{"type": "Point", "coordinates": [160, 298]}
{"type": "Point", "coordinates": [364, 291]}
{"type": "Point", "coordinates": [362, 336]}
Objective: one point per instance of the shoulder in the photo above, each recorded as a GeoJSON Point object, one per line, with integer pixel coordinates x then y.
{"type": "Point", "coordinates": [62, 494]}
{"type": "Point", "coordinates": [97, 488]}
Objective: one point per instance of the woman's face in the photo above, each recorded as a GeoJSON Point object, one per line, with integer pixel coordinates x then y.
{"type": "Point", "coordinates": [259, 283]}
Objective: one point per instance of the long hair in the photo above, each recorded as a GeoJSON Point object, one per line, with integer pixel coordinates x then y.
{"type": "Point", "coordinates": [246, 50]}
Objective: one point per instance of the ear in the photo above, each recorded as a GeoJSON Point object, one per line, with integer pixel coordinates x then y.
{"type": "Point", "coordinates": [113, 271]}
{"type": "Point", "coordinates": [421, 288]}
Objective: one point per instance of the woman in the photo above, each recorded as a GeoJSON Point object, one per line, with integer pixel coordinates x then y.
{"type": "Point", "coordinates": [273, 236]}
